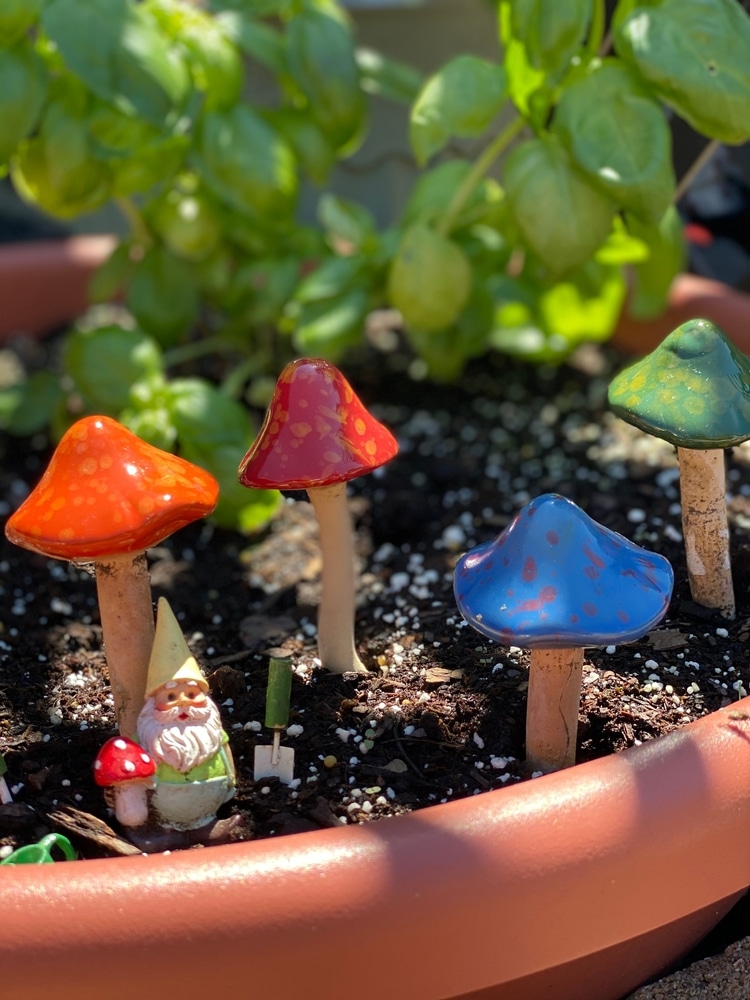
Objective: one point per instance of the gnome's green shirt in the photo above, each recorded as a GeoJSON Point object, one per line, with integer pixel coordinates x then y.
{"type": "Point", "coordinates": [218, 766]}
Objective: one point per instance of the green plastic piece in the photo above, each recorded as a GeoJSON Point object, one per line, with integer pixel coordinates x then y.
{"type": "Point", "coordinates": [3, 766]}
{"type": "Point", "coordinates": [693, 390]}
{"type": "Point", "coordinates": [278, 692]}
{"type": "Point", "coordinates": [41, 852]}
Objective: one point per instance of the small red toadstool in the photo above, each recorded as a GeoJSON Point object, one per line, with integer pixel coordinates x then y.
{"type": "Point", "coordinates": [317, 436]}
{"type": "Point", "coordinates": [105, 498]}
{"type": "Point", "coordinates": [125, 767]}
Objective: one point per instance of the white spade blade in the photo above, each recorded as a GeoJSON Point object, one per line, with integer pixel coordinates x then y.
{"type": "Point", "coordinates": [274, 762]}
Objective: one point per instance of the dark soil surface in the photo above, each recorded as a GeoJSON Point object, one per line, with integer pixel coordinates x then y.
{"type": "Point", "coordinates": [440, 715]}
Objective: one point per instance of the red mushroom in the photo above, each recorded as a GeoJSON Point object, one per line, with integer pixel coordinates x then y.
{"type": "Point", "coordinates": [126, 768]}
{"type": "Point", "coordinates": [105, 498]}
{"type": "Point", "coordinates": [317, 436]}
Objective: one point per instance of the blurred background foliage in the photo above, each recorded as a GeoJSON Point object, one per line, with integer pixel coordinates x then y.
{"type": "Point", "coordinates": [544, 182]}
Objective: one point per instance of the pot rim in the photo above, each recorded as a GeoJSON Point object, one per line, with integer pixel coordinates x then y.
{"type": "Point", "coordinates": [634, 841]}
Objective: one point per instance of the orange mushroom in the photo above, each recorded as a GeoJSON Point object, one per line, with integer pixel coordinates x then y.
{"type": "Point", "coordinates": [317, 436]}
{"type": "Point", "coordinates": [105, 498]}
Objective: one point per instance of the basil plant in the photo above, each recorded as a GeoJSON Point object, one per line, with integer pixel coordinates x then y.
{"type": "Point", "coordinates": [542, 179]}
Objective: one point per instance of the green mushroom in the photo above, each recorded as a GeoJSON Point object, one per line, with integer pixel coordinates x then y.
{"type": "Point", "coordinates": [694, 391]}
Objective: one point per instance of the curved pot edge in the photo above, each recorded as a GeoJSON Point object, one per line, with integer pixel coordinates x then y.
{"type": "Point", "coordinates": [564, 862]}
{"type": "Point", "coordinates": [44, 283]}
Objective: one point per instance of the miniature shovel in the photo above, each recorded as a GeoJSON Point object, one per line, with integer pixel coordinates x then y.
{"type": "Point", "coordinates": [5, 795]}
{"type": "Point", "coordinates": [276, 761]}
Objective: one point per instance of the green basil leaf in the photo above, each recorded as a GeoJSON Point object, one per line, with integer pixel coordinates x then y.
{"type": "Point", "coordinates": [238, 508]}
{"type": "Point", "coordinates": [105, 362]}
{"type": "Point", "coordinates": [562, 218]}
{"type": "Point", "coordinates": [117, 49]}
{"type": "Point", "coordinates": [186, 223]}
{"type": "Point", "coordinates": [23, 86]}
{"type": "Point", "coordinates": [163, 296]}
{"type": "Point", "coordinates": [259, 289]}
{"type": "Point", "coordinates": [214, 64]}
{"type": "Point", "coordinates": [255, 8]}
{"type": "Point", "coordinates": [115, 134]}
{"type": "Point", "coordinates": [523, 80]}
{"type": "Point", "coordinates": [460, 100]}
{"type": "Point", "coordinates": [29, 408]}
{"type": "Point", "coordinates": [16, 18]}
{"type": "Point", "coordinates": [434, 189]}
{"type": "Point", "coordinates": [430, 279]}
{"type": "Point", "coordinates": [257, 40]}
{"type": "Point", "coordinates": [621, 247]}
{"type": "Point", "coordinates": [214, 273]}
{"type": "Point", "coordinates": [586, 306]}
{"type": "Point", "coordinates": [517, 329]}
{"type": "Point", "coordinates": [149, 164]}
{"type": "Point", "coordinates": [214, 431]}
{"type": "Point", "coordinates": [667, 257]}
{"type": "Point", "coordinates": [247, 163]}
{"type": "Point", "coordinates": [55, 168]}
{"type": "Point", "coordinates": [320, 59]}
{"type": "Point", "coordinates": [152, 423]}
{"type": "Point", "coordinates": [552, 33]}
{"type": "Point", "coordinates": [346, 223]}
{"type": "Point", "coordinates": [113, 275]}
{"type": "Point", "coordinates": [327, 327]}
{"type": "Point", "coordinates": [330, 278]}
{"type": "Point", "coordinates": [620, 137]}
{"type": "Point", "coordinates": [694, 54]}
{"type": "Point", "coordinates": [205, 417]}
{"type": "Point", "coordinates": [447, 351]}
{"type": "Point", "coordinates": [311, 147]}
{"type": "Point", "coordinates": [386, 77]}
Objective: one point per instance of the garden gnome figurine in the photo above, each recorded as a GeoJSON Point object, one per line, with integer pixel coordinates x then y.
{"type": "Point", "coordinates": [180, 729]}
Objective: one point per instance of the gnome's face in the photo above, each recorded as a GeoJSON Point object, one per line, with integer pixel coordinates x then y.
{"type": "Point", "coordinates": [180, 725]}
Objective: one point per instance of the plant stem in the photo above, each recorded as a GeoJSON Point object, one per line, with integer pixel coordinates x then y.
{"type": "Point", "coordinates": [134, 220]}
{"type": "Point", "coordinates": [239, 375]}
{"type": "Point", "coordinates": [477, 172]}
{"type": "Point", "coordinates": [196, 349]}
{"type": "Point", "coordinates": [596, 31]}
{"type": "Point", "coordinates": [704, 157]}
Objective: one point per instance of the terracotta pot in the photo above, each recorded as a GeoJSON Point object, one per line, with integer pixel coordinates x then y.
{"type": "Point", "coordinates": [691, 297]}
{"type": "Point", "coordinates": [578, 885]}
{"type": "Point", "coordinates": [44, 283]}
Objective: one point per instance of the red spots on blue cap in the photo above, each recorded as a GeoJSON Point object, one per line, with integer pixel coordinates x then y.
{"type": "Point", "coordinates": [564, 581]}
{"type": "Point", "coordinates": [529, 571]}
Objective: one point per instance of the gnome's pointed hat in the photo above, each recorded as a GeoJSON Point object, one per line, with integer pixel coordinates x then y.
{"type": "Point", "coordinates": [171, 660]}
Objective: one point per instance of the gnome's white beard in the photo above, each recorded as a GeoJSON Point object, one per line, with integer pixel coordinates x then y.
{"type": "Point", "coordinates": [181, 743]}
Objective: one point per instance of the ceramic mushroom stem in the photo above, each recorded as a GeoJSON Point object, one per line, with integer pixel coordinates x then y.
{"type": "Point", "coordinates": [123, 588]}
{"type": "Point", "coordinates": [105, 497]}
{"type": "Point", "coordinates": [555, 581]}
{"type": "Point", "coordinates": [705, 528]}
{"type": "Point", "coordinates": [317, 436]}
{"type": "Point", "coordinates": [552, 703]}
{"type": "Point", "coordinates": [338, 585]}
{"type": "Point", "coordinates": [694, 391]}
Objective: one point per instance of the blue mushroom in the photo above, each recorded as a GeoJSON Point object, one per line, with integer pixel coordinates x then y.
{"type": "Point", "coordinates": [555, 581]}
{"type": "Point", "coordinates": [554, 578]}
